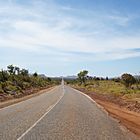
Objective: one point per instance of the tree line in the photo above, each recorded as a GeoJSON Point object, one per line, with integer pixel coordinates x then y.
{"type": "Point", "coordinates": [16, 80]}
{"type": "Point", "coordinates": [127, 79]}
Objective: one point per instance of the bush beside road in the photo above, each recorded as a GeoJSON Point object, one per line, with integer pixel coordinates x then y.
{"type": "Point", "coordinates": [16, 82]}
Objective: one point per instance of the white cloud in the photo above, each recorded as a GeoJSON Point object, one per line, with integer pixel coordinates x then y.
{"type": "Point", "coordinates": [35, 29]}
{"type": "Point", "coordinates": [120, 20]}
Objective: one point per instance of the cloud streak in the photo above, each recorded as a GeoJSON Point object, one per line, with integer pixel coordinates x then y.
{"type": "Point", "coordinates": [45, 27]}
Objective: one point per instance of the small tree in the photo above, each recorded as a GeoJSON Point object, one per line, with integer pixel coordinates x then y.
{"type": "Point", "coordinates": [49, 79]}
{"type": "Point", "coordinates": [24, 72]}
{"type": "Point", "coordinates": [3, 76]}
{"type": "Point", "coordinates": [10, 69]}
{"type": "Point", "coordinates": [82, 75]}
{"type": "Point", "coordinates": [128, 80]}
{"type": "Point", "coordinates": [16, 70]}
{"type": "Point", "coordinates": [107, 78]}
{"type": "Point", "coordinates": [35, 74]}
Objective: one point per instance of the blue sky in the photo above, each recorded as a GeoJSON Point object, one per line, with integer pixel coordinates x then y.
{"type": "Point", "coordinates": [62, 37]}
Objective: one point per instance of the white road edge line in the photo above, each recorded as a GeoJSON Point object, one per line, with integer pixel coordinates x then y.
{"type": "Point", "coordinates": [25, 100]}
{"type": "Point", "coordinates": [49, 109]}
{"type": "Point", "coordinates": [123, 128]}
{"type": "Point", "coordinates": [101, 107]}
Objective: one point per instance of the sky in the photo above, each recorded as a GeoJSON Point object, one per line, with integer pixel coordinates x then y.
{"type": "Point", "coordinates": [63, 37]}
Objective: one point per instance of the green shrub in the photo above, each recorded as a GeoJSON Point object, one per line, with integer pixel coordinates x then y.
{"type": "Point", "coordinates": [128, 80]}
{"type": "Point", "coordinates": [11, 89]}
{"type": "Point", "coordinates": [1, 90]}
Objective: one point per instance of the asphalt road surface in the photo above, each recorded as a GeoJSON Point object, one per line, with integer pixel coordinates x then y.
{"type": "Point", "coordinates": [60, 114]}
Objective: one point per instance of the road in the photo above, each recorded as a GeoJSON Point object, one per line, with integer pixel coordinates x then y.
{"type": "Point", "coordinates": [60, 114]}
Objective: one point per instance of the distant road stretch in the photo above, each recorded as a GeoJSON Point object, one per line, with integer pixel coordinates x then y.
{"type": "Point", "coordinates": [60, 114]}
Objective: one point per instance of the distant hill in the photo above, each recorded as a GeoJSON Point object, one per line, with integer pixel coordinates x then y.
{"type": "Point", "coordinates": [42, 75]}
{"type": "Point", "coordinates": [137, 76]}
{"type": "Point", "coordinates": [70, 77]}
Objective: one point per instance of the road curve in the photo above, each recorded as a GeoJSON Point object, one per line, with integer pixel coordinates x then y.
{"type": "Point", "coordinates": [60, 114]}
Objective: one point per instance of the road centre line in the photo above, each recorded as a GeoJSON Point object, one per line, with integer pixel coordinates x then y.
{"type": "Point", "coordinates": [49, 109]}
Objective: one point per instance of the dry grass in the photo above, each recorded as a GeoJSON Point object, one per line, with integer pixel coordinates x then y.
{"type": "Point", "coordinates": [112, 88]}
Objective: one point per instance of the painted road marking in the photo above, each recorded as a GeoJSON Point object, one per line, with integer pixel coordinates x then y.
{"type": "Point", "coordinates": [49, 109]}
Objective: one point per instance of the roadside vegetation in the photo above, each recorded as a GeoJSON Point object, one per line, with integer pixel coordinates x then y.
{"type": "Point", "coordinates": [124, 90]}
{"type": "Point", "coordinates": [120, 96]}
{"type": "Point", "coordinates": [127, 85]}
{"type": "Point", "coordinates": [17, 82]}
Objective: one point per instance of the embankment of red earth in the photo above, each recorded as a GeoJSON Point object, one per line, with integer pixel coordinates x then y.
{"type": "Point", "coordinates": [128, 113]}
{"type": "Point", "coordinates": [9, 100]}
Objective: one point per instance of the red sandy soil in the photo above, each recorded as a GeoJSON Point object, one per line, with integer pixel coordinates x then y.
{"type": "Point", "coordinates": [128, 113]}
